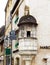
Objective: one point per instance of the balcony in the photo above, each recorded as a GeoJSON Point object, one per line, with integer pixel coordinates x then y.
{"type": "Point", "coordinates": [28, 45]}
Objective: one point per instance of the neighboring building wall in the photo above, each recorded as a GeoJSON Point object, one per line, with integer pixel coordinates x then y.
{"type": "Point", "coordinates": [7, 17]}
{"type": "Point", "coordinates": [7, 10]}
{"type": "Point", "coordinates": [7, 25]}
{"type": "Point", "coordinates": [8, 30]}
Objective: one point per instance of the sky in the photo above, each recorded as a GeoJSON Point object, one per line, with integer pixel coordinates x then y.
{"type": "Point", "coordinates": [2, 12]}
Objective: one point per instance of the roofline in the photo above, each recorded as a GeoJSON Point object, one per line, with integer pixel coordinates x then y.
{"type": "Point", "coordinates": [30, 23]}
{"type": "Point", "coordinates": [6, 5]}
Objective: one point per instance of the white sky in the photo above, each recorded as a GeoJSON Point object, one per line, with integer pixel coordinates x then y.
{"type": "Point", "coordinates": [2, 12]}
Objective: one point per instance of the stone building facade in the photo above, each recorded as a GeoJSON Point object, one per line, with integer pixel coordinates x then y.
{"type": "Point", "coordinates": [7, 32]}
{"type": "Point", "coordinates": [30, 21]}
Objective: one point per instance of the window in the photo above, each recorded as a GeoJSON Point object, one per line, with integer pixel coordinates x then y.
{"type": "Point", "coordinates": [8, 60]}
{"type": "Point", "coordinates": [26, 10]}
{"type": "Point", "coordinates": [45, 61]}
{"type": "Point", "coordinates": [17, 61]}
{"type": "Point", "coordinates": [28, 33]}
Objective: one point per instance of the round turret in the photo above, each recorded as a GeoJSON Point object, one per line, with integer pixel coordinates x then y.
{"type": "Point", "coordinates": [27, 33]}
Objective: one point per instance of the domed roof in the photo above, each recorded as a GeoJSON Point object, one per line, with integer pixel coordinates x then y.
{"type": "Point", "coordinates": [27, 19]}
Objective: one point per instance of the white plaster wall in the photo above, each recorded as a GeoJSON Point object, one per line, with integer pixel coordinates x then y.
{"type": "Point", "coordinates": [41, 11]}
{"type": "Point", "coordinates": [28, 44]}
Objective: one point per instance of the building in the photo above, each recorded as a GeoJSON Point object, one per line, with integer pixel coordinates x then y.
{"type": "Point", "coordinates": [29, 20]}
{"type": "Point", "coordinates": [2, 30]}
{"type": "Point", "coordinates": [7, 32]}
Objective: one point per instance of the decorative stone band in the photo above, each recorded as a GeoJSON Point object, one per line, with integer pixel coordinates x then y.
{"type": "Point", "coordinates": [31, 52]}
{"type": "Point", "coordinates": [44, 47]}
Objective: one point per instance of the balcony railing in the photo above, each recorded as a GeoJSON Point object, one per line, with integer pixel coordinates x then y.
{"type": "Point", "coordinates": [28, 44]}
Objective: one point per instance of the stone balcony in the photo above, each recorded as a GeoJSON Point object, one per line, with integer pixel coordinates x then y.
{"type": "Point", "coordinates": [28, 46]}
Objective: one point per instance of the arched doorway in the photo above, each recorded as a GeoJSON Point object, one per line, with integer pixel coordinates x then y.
{"type": "Point", "coordinates": [17, 61]}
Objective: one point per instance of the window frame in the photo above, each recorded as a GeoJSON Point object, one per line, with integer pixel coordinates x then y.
{"type": "Point", "coordinates": [28, 33]}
